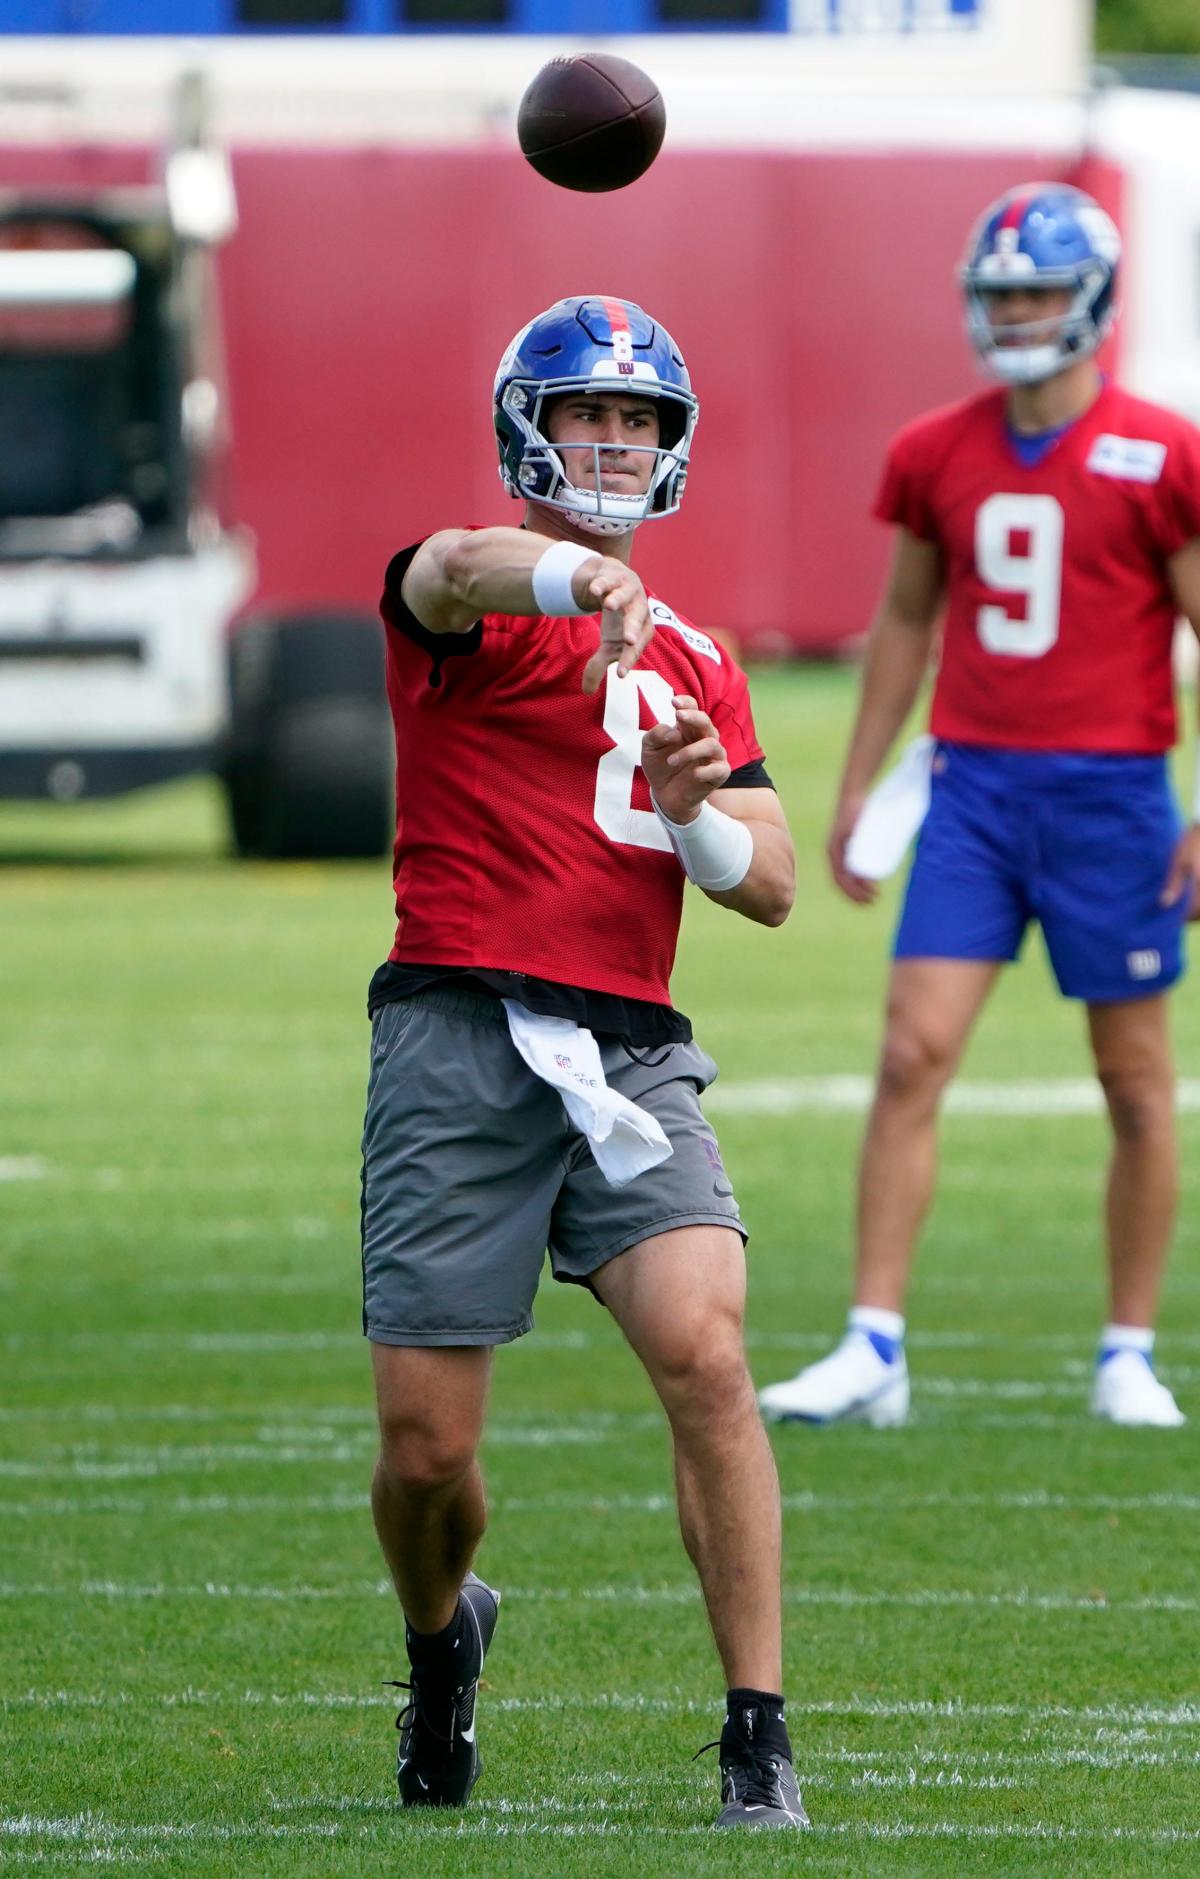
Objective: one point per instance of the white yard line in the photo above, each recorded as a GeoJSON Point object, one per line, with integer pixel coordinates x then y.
{"type": "Point", "coordinates": [1047, 1096]}
{"type": "Point", "coordinates": [22, 1168]}
{"type": "Point", "coordinates": [203, 1458]}
{"type": "Point", "coordinates": [95, 1831]}
{"type": "Point", "coordinates": [285, 1343]}
{"type": "Point", "coordinates": [339, 1437]}
{"type": "Point", "coordinates": [130, 1461]}
{"type": "Point", "coordinates": [924, 1598]}
{"type": "Point", "coordinates": [132, 1506]}
{"type": "Point", "coordinates": [1037, 1501]}
{"type": "Point", "coordinates": [919, 1599]}
{"type": "Point", "coordinates": [1007, 1830]}
{"type": "Point", "coordinates": [71, 1506]}
{"type": "Point", "coordinates": [276, 1431]}
{"type": "Point", "coordinates": [292, 1343]}
{"type": "Point", "coordinates": [484, 1827]}
{"type": "Point", "coordinates": [82, 1468]}
{"type": "Point", "coordinates": [206, 1343]}
{"type": "Point", "coordinates": [82, 1413]}
{"type": "Point", "coordinates": [910, 1760]}
{"type": "Point", "coordinates": [1092, 1718]}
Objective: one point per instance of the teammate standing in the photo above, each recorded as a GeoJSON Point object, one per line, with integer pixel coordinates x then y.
{"type": "Point", "coordinates": [569, 750]}
{"type": "Point", "coordinates": [1056, 521]}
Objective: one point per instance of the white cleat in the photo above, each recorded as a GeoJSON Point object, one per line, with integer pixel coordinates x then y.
{"type": "Point", "coordinates": [852, 1384]}
{"type": "Point", "coordinates": [1127, 1391]}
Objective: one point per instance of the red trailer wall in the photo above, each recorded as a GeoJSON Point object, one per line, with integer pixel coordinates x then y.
{"type": "Point", "coordinates": [369, 295]}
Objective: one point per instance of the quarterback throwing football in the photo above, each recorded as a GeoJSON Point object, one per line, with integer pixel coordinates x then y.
{"type": "Point", "coordinates": [569, 751]}
{"type": "Point", "coordinates": [1055, 523]}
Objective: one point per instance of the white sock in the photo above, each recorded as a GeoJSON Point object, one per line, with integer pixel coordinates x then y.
{"type": "Point", "coordinates": [889, 1324]}
{"type": "Point", "coordinates": [1126, 1337]}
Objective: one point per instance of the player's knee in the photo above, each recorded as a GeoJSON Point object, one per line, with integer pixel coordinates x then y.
{"type": "Point", "coordinates": [706, 1370]}
{"type": "Point", "coordinates": [424, 1457]}
{"type": "Point", "coordinates": [915, 1062]}
{"type": "Point", "coordinates": [1141, 1103]}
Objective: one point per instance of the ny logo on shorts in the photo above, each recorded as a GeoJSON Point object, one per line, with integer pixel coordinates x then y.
{"type": "Point", "coordinates": [1144, 965]}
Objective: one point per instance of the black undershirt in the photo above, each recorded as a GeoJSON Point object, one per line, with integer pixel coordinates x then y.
{"type": "Point", "coordinates": [636, 1021]}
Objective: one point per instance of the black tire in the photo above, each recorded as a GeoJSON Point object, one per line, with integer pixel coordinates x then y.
{"type": "Point", "coordinates": [308, 763]}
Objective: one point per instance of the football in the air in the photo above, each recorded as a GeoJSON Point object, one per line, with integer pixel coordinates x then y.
{"type": "Point", "coordinates": [591, 122]}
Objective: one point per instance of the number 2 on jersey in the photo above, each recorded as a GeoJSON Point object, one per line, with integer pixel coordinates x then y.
{"type": "Point", "coordinates": [1035, 575]}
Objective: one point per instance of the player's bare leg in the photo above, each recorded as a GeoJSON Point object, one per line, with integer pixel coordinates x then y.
{"type": "Point", "coordinates": [1133, 1062]}
{"type": "Point", "coordinates": [1132, 1049]}
{"type": "Point", "coordinates": [931, 1010]}
{"type": "Point", "coordinates": [427, 1494]}
{"type": "Point", "coordinates": [680, 1298]}
{"type": "Point", "coordinates": [428, 1503]}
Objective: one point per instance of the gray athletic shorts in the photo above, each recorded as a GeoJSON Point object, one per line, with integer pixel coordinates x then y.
{"type": "Point", "coordinates": [471, 1170]}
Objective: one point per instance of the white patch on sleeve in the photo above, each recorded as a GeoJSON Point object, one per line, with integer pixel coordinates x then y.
{"type": "Point", "coordinates": [699, 642]}
{"type": "Point", "coordinates": [1135, 459]}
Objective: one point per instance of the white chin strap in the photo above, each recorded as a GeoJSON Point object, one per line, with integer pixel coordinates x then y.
{"type": "Point", "coordinates": [621, 514]}
{"type": "Point", "coordinates": [598, 524]}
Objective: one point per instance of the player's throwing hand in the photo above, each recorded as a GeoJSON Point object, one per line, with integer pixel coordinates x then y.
{"type": "Point", "coordinates": [626, 628]}
{"type": "Point", "coordinates": [684, 762]}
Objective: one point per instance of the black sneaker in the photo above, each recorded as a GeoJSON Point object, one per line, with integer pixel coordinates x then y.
{"type": "Point", "coordinates": [758, 1782]}
{"type": "Point", "coordinates": [438, 1762]}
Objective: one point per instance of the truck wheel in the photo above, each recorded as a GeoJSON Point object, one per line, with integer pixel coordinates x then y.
{"type": "Point", "coordinates": [308, 761]}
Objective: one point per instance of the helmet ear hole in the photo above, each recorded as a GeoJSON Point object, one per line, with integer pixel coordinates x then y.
{"type": "Point", "coordinates": [672, 423]}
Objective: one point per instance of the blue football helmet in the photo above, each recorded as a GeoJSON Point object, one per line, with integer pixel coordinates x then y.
{"type": "Point", "coordinates": [1042, 235]}
{"type": "Point", "coordinates": [592, 342]}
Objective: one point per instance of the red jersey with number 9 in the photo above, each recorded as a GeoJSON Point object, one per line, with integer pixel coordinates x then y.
{"type": "Point", "coordinates": [1059, 612]}
{"type": "Point", "coordinates": [526, 840]}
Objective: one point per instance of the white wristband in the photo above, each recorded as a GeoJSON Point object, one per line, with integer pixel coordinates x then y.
{"type": "Point", "coordinates": [714, 851]}
{"type": "Point", "coordinates": [552, 591]}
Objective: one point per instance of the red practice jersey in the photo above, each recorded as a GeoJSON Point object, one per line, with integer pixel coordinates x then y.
{"type": "Point", "coordinates": [526, 840]}
{"type": "Point", "coordinates": [1059, 617]}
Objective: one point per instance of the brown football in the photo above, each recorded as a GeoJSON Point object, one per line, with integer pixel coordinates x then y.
{"type": "Point", "coordinates": [591, 122]}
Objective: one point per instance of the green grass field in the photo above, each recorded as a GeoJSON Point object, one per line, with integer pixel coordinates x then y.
{"type": "Point", "coordinates": [991, 1615]}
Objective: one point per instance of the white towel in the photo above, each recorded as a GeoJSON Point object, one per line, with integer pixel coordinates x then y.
{"type": "Point", "coordinates": [624, 1139]}
{"type": "Point", "coordinates": [892, 814]}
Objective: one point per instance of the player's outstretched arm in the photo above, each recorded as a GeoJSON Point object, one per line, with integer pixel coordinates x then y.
{"type": "Point", "coordinates": [686, 766]}
{"type": "Point", "coordinates": [458, 575]}
{"type": "Point", "coordinates": [896, 661]}
{"type": "Point", "coordinates": [1184, 874]}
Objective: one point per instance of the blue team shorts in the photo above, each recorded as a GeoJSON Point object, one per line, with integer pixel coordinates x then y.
{"type": "Point", "coordinates": [1080, 843]}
